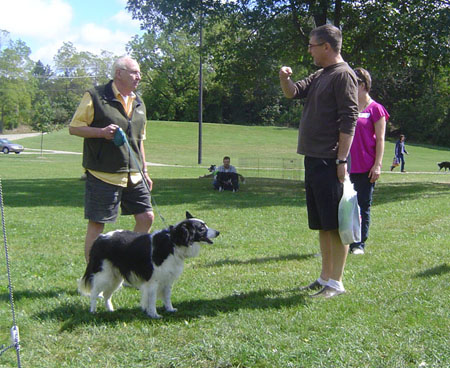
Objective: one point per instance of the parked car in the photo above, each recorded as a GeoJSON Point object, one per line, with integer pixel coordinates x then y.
{"type": "Point", "coordinates": [6, 146]}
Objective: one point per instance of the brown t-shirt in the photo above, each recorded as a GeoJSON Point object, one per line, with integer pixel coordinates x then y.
{"type": "Point", "coordinates": [331, 107]}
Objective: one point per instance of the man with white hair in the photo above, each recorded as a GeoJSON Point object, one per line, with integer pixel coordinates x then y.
{"type": "Point", "coordinates": [113, 177]}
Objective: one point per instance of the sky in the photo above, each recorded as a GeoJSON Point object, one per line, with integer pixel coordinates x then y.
{"type": "Point", "coordinates": [91, 25]}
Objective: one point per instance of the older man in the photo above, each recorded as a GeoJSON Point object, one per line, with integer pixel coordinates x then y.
{"type": "Point", "coordinates": [113, 179]}
{"type": "Point", "coordinates": [325, 136]}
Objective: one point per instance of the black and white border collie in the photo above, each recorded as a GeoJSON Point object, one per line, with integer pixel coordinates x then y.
{"type": "Point", "coordinates": [149, 262]}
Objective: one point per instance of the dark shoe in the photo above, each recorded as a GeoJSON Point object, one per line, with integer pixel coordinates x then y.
{"type": "Point", "coordinates": [327, 292]}
{"type": "Point", "coordinates": [313, 286]}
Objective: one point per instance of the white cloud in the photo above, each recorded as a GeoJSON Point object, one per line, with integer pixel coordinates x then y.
{"type": "Point", "coordinates": [105, 39]}
{"type": "Point", "coordinates": [123, 18]}
{"type": "Point", "coordinates": [45, 25]}
{"type": "Point", "coordinates": [36, 18]}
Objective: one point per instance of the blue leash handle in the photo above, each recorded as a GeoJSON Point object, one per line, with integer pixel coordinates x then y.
{"type": "Point", "coordinates": [120, 138]}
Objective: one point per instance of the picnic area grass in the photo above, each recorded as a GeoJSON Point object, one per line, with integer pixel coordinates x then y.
{"type": "Point", "coordinates": [238, 302]}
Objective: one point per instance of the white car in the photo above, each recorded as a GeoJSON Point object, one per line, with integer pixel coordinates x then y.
{"type": "Point", "coordinates": [6, 146]}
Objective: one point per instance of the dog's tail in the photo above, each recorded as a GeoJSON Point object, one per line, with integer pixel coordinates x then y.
{"type": "Point", "coordinates": [94, 265]}
{"type": "Point", "coordinates": [85, 283]}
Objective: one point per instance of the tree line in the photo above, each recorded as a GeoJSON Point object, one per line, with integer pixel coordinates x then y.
{"type": "Point", "coordinates": [405, 45]}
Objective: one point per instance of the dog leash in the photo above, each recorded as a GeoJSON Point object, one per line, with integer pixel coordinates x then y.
{"type": "Point", "coordinates": [15, 340]}
{"type": "Point", "coordinates": [119, 140]}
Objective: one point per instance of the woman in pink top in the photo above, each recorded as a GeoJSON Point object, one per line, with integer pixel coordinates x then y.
{"type": "Point", "coordinates": [366, 152]}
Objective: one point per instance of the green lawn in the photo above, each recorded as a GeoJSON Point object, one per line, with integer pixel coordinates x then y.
{"type": "Point", "coordinates": [238, 302]}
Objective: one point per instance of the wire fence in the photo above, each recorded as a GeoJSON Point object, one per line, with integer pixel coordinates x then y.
{"type": "Point", "coordinates": [276, 168]}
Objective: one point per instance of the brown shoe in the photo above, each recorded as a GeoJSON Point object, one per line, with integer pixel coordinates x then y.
{"type": "Point", "coordinates": [313, 286]}
{"type": "Point", "coordinates": [327, 292]}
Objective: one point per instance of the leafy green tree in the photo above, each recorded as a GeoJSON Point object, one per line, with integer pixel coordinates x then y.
{"type": "Point", "coordinates": [404, 44]}
{"type": "Point", "coordinates": [169, 66]}
{"type": "Point", "coordinates": [43, 115]}
{"type": "Point", "coordinates": [15, 94]}
{"type": "Point", "coordinates": [75, 72]}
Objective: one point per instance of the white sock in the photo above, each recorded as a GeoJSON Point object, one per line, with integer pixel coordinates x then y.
{"type": "Point", "coordinates": [322, 282]}
{"type": "Point", "coordinates": [338, 285]}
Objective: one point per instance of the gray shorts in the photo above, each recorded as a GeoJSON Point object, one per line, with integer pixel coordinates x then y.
{"type": "Point", "coordinates": [323, 193]}
{"type": "Point", "coordinates": [102, 200]}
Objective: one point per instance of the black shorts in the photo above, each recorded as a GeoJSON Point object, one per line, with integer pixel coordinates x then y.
{"type": "Point", "coordinates": [102, 200]}
{"type": "Point", "coordinates": [323, 193]}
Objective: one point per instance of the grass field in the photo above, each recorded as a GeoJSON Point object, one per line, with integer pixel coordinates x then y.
{"type": "Point", "coordinates": [238, 302]}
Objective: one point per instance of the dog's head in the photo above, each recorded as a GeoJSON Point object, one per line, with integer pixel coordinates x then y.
{"type": "Point", "coordinates": [212, 168]}
{"type": "Point", "coordinates": [192, 230]}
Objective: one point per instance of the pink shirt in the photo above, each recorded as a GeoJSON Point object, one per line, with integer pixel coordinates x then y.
{"type": "Point", "coordinates": [364, 142]}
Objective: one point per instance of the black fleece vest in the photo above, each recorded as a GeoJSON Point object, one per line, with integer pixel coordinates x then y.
{"type": "Point", "coordinates": [103, 155]}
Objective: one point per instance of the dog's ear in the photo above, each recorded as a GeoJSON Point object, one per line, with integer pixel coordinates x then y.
{"type": "Point", "coordinates": [188, 215]}
{"type": "Point", "coordinates": [181, 235]}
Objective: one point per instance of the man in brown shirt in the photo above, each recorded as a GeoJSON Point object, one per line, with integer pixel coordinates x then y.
{"type": "Point", "coordinates": [325, 136]}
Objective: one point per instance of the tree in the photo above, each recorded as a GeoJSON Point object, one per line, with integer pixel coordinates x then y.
{"type": "Point", "coordinates": [43, 115]}
{"type": "Point", "coordinates": [75, 72]}
{"type": "Point", "coordinates": [404, 44]}
{"type": "Point", "coordinates": [169, 66]}
{"type": "Point", "coordinates": [15, 94]}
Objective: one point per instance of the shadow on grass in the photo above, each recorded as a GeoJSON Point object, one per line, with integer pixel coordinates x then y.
{"type": "Point", "coordinates": [393, 192]}
{"type": "Point", "coordinates": [254, 261]}
{"type": "Point", "coordinates": [435, 271]}
{"type": "Point", "coordinates": [257, 192]}
{"type": "Point", "coordinates": [36, 294]}
{"type": "Point", "coordinates": [43, 192]}
{"type": "Point", "coordinates": [75, 314]}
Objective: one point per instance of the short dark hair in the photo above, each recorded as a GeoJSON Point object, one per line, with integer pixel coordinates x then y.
{"type": "Point", "coordinates": [328, 33]}
{"type": "Point", "coordinates": [226, 158]}
{"type": "Point", "coordinates": [363, 77]}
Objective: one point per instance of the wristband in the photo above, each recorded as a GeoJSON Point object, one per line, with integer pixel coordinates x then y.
{"type": "Point", "coordinates": [339, 162]}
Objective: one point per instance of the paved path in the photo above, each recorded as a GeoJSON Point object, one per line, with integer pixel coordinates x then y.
{"type": "Point", "coordinates": [14, 137]}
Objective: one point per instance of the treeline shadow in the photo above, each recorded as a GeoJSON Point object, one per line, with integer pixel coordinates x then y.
{"type": "Point", "coordinates": [257, 192]}
{"type": "Point", "coordinates": [18, 295]}
{"type": "Point", "coordinates": [395, 192]}
{"type": "Point", "coordinates": [43, 192]}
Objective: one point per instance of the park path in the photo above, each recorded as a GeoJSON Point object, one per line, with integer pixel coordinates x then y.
{"type": "Point", "coordinates": [14, 137]}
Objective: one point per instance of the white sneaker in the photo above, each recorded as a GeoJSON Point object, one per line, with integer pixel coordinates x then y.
{"type": "Point", "coordinates": [358, 251]}
{"type": "Point", "coordinates": [220, 189]}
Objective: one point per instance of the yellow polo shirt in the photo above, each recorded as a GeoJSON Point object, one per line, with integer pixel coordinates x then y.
{"type": "Point", "coordinates": [84, 116]}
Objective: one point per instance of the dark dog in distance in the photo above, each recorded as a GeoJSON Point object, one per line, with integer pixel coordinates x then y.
{"type": "Point", "coordinates": [444, 165]}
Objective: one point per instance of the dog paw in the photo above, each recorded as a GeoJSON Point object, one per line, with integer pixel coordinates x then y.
{"type": "Point", "coordinates": [154, 316]}
{"type": "Point", "coordinates": [171, 310]}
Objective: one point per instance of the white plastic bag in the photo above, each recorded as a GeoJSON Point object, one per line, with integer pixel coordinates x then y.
{"type": "Point", "coordinates": [349, 215]}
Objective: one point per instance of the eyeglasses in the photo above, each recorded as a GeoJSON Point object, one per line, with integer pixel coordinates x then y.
{"type": "Point", "coordinates": [132, 72]}
{"type": "Point", "coordinates": [310, 45]}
